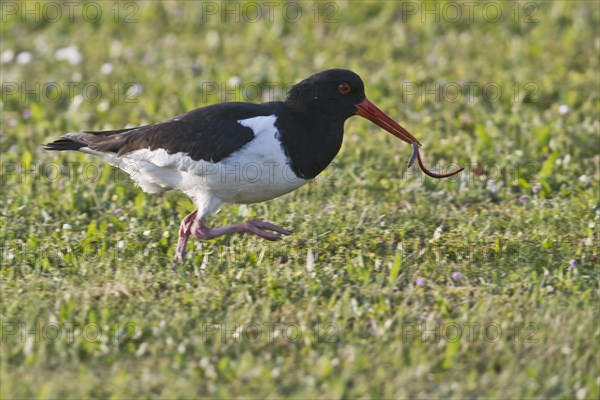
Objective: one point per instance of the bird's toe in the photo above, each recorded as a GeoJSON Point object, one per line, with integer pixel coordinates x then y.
{"type": "Point", "coordinates": [262, 225]}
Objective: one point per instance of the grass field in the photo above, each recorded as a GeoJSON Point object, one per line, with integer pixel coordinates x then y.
{"type": "Point", "coordinates": [394, 285]}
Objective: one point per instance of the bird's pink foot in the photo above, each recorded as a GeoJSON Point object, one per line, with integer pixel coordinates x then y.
{"type": "Point", "coordinates": [258, 228]}
{"type": "Point", "coordinates": [190, 225]}
{"type": "Point", "coordinates": [185, 229]}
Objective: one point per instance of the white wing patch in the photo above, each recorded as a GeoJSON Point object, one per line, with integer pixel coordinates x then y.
{"type": "Point", "coordinates": [260, 124]}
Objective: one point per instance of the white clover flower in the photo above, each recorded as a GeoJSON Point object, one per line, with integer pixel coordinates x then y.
{"type": "Point", "coordinates": [563, 109]}
{"type": "Point", "coordinates": [24, 58]}
{"type": "Point", "coordinates": [70, 54]}
{"type": "Point", "coordinates": [106, 68]}
{"type": "Point", "coordinates": [7, 56]}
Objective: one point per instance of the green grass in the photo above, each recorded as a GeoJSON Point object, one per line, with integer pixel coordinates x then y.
{"type": "Point", "coordinates": [367, 278]}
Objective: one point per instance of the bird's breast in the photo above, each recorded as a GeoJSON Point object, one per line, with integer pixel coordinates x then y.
{"type": "Point", "coordinates": [261, 169]}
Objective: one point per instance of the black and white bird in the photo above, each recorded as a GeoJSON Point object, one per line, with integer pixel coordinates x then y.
{"type": "Point", "coordinates": [239, 152]}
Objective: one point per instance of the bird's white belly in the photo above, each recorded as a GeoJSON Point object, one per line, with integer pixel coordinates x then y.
{"type": "Point", "coordinates": [239, 182]}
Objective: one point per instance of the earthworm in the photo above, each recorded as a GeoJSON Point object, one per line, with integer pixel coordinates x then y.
{"type": "Point", "coordinates": [417, 154]}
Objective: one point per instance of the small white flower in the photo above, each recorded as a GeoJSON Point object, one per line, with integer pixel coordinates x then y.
{"type": "Point", "coordinates": [116, 49]}
{"type": "Point", "coordinates": [70, 54]}
{"type": "Point", "coordinates": [103, 106]}
{"type": "Point", "coordinates": [24, 58]}
{"type": "Point", "coordinates": [563, 109]}
{"type": "Point", "coordinates": [106, 68]}
{"type": "Point", "coordinates": [7, 56]}
{"type": "Point", "coordinates": [146, 233]}
{"type": "Point", "coordinates": [581, 393]}
{"type": "Point", "coordinates": [212, 38]}
{"type": "Point", "coordinates": [234, 81]}
{"type": "Point", "coordinates": [584, 179]}
{"type": "Point", "coordinates": [67, 227]}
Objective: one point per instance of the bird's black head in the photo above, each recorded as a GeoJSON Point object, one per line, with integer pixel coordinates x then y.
{"type": "Point", "coordinates": [334, 92]}
{"type": "Point", "coordinates": [320, 104]}
{"type": "Point", "coordinates": [337, 94]}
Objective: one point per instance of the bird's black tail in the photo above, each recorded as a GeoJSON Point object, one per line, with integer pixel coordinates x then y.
{"type": "Point", "coordinates": [64, 144]}
{"type": "Point", "coordinates": [101, 141]}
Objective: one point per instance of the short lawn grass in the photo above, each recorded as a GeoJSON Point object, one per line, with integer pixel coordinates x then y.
{"type": "Point", "coordinates": [394, 285]}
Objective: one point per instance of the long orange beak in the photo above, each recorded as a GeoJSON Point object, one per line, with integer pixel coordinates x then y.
{"type": "Point", "coordinates": [368, 110]}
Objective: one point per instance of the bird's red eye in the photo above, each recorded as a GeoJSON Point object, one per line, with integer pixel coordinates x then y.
{"type": "Point", "coordinates": [344, 88]}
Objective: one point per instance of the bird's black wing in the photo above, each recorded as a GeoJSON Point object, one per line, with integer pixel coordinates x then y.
{"type": "Point", "coordinates": [209, 133]}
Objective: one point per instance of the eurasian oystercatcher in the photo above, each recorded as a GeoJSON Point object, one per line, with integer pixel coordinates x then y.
{"type": "Point", "coordinates": [240, 152]}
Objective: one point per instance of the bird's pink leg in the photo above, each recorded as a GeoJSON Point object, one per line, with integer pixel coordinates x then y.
{"type": "Point", "coordinates": [185, 229]}
{"type": "Point", "coordinates": [251, 226]}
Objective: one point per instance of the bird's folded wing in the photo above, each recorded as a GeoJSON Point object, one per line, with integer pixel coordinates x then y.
{"type": "Point", "coordinates": [209, 134]}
